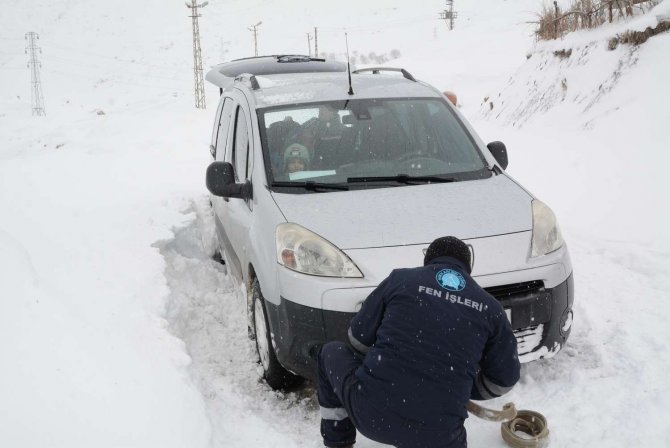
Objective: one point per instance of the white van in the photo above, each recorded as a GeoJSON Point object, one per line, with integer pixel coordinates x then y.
{"type": "Point", "coordinates": [324, 181]}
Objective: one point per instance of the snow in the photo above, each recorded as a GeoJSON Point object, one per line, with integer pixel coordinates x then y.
{"type": "Point", "coordinates": [118, 329]}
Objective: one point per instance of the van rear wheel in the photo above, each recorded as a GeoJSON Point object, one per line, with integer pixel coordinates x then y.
{"type": "Point", "coordinates": [274, 373]}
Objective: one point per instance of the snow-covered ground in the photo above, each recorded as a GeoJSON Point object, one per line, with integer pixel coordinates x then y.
{"type": "Point", "coordinates": [118, 329]}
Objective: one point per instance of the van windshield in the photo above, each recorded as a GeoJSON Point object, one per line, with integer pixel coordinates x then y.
{"type": "Point", "coordinates": [367, 143]}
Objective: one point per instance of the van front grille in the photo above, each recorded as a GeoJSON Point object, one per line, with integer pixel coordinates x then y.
{"type": "Point", "coordinates": [503, 292]}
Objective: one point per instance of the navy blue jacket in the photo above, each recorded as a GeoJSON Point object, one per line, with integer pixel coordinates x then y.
{"type": "Point", "coordinates": [433, 339]}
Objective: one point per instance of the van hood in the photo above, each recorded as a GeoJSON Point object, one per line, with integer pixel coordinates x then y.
{"type": "Point", "coordinates": [416, 214]}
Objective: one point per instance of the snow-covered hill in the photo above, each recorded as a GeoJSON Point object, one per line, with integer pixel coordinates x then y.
{"type": "Point", "coordinates": [118, 329]}
{"type": "Point", "coordinates": [602, 115]}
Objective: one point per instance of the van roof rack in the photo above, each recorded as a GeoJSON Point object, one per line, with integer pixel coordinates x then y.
{"type": "Point", "coordinates": [282, 58]}
{"type": "Point", "coordinates": [225, 74]}
{"type": "Point", "coordinates": [251, 79]}
{"type": "Point", "coordinates": [377, 70]}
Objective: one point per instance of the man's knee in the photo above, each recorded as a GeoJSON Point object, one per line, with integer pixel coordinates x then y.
{"type": "Point", "coordinates": [330, 350]}
{"type": "Point", "coordinates": [337, 364]}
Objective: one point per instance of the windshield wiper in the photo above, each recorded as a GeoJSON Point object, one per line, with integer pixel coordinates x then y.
{"type": "Point", "coordinates": [402, 178]}
{"type": "Point", "coordinates": [311, 185]}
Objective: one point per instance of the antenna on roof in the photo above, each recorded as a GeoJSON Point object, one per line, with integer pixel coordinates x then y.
{"type": "Point", "coordinates": [346, 40]}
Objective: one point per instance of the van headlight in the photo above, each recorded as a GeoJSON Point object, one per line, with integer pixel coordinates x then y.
{"type": "Point", "coordinates": [304, 251]}
{"type": "Point", "coordinates": [546, 234]}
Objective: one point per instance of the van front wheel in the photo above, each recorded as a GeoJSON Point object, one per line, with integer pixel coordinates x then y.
{"type": "Point", "coordinates": [274, 373]}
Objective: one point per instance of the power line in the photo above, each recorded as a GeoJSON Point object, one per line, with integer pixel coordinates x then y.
{"type": "Point", "coordinates": [113, 81]}
{"type": "Point", "coordinates": [73, 62]}
{"type": "Point", "coordinates": [232, 12]}
{"type": "Point", "coordinates": [34, 64]}
{"type": "Point", "coordinates": [197, 55]}
{"type": "Point", "coordinates": [71, 50]}
{"type": "Point", "coordinates": [379, 25]}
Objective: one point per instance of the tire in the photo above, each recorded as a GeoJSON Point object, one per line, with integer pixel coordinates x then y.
{"type": "Point", "coordinates": [274, 373]}
{"type": "Point", "coordinates": [220, 255]}
{"type": "Point", "coordinates": [219, 258]}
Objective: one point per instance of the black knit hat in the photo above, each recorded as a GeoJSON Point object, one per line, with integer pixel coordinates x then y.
{"type": "Point", "coordinates": [449, 246]}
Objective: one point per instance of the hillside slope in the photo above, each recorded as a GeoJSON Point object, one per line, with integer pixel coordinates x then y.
{"type": "Point", "coordinates": [603, 113]}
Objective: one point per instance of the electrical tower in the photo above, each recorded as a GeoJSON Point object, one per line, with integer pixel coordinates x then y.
{"type": "Point", "coordinates": [449, 15]}
{"type": "Point", "coordinates": [34, 65]}
{"type": "Point", "coordinates": [197, 55]}
{"type": "Point", "coordinates": [254, 29]}
{"type": "Point", "coordinates": [316, 42]}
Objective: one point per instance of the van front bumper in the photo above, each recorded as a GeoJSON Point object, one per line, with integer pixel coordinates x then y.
{"type": "Point", "coordinates": [302, 330]}
{"type": "Point", "coordinates": [541, 319]}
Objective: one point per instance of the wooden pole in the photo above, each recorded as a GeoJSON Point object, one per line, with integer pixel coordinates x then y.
{"type": "Point", "coordinates": [556, 20]}
{"type": "Point", "coordinates": [610, 10]}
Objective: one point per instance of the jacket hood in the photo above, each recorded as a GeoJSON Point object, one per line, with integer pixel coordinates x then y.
{"type": "Point", "coordinates": [407, 215]}
{"type": "Point", "coordinates": [451, 261]}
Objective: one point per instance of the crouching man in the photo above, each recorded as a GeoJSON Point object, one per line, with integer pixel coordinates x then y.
{"type": "Point", "coordinates": [425, 341]}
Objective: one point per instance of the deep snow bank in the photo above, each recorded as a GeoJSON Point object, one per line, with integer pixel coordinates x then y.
{"type": "Point", "coordinates": [86, 356]}
{"type": "Point", "coordinates": [87, 359]}
{"type": "Point", "coordinates": [207, 310]}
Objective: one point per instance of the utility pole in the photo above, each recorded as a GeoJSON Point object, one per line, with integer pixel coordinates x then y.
{"type": "Point", "coordinates": [254, 29]}
{"type": "Point", "coordinates": [316, 42]}
{"type": "Point", "coordinates": [309, 44]}
{"type": "Point", "coordinates": [197, 55]}
{"type": "Point", "coordinates": [449, 14]}
{"type": "Point", "coordinates": [34, 64]}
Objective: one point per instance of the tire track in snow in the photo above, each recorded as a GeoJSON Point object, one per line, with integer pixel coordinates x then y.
{"type": "Point", "coordinates": [206, 309]}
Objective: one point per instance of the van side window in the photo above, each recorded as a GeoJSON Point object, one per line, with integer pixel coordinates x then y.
{"type": "Point", "coordinates": [222, 129]}
{"type": "Point", "coordinates": [241, 145]}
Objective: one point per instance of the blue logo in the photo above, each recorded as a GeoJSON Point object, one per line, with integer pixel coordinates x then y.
{"type": "Point", "coordinates": [450, 280]}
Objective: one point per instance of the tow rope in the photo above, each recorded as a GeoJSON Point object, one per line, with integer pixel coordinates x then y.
{"type": "Point", "coordinates": [532, 425]}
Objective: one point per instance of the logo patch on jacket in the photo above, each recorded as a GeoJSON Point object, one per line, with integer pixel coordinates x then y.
{"type": "Point", "coordinates": [450, 280]}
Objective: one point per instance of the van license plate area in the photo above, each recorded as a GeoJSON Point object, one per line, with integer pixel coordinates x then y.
{"type": "Point", "coordinates": [528, 311]}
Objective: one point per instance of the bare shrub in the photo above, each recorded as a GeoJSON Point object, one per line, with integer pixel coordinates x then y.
{"type": "Point", "coordinates": [547, 23]}
{"type": "Point", "coordinates": [640, 37]}
{"type": "Point", "coordinates": [553, 22]}
{"type": "Point", "coordinates": [613, 43]}
{"type": "Point", "coordinates": [563, 54]}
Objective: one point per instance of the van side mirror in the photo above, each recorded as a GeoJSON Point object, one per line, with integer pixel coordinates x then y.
{"type": "Point", "coordinates": [499, 151]}
{"type": "Point", "coordinates": [220, 181]}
